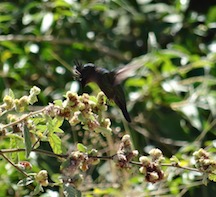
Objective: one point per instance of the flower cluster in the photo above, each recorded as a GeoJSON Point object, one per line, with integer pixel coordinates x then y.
{"type": "Point", "coordinates": [151, 167]}
{"type": "Point", "coordinates": [125, 153]}
{"type": "Point", "coordinates": [20, 104]}
{"type": "Point", "coordinates": [78, 160]}
{"type": "Point", "coordinates": [82, 109]}
{"type": "Point", "coordinates": [204, 162]}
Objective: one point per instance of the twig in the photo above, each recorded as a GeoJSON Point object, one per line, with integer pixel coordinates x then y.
{"type": "Point", "coordinates": [61, 61]}
{"type": "Point", "coordinates": [51, 154]}
{"type": "Point", "coordinates": [23, 118]}
{"type": "Point", "coordinates": [15, 166]}
{"type": "Point", "coordinates": [66, 41]}
{"type": "Point", "coordinates": [182, 167]}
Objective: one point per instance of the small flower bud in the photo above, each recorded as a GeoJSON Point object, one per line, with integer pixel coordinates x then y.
{"type": "Point", "coordinates": [9, 102]}
{"type": "Point", "coordinates": [142, 170]}
{"type": "Point", "coordinates": [153, 177]}
{"type": "Point", "coordinates": [101, 102]}
{"type": "Point", "coordinates": [135, 153]}
{"type": "Point", "coordinates": [35, 90]}
{"type": "Point", "coordinates": [144, 160]}
{"type": "Point", "coordinates": [84, 167]}
{"type": "Point", "coordinates": [106, 123]}
{"type": "Point", "coordinates": [32, 99]}
{"type": "Point", "coordinates": [72, 101]}
{"type": "Point", "coordinates": [125, 138]}
{"type": "Point", "coordinates": [156, 154]}
{"type": "Point", "coordinates": [12, 117]}
{"type": "Point", "coordinates": [42, 178]}
{"type": "Point", "coordinates": [21, 104]}
{"type": "Point", "coordinates": [75, 119]}
{"type": "Point", "coordinates": [201, 153]}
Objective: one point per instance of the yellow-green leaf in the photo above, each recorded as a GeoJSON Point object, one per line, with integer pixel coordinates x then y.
{"type": "Point", "coordinates": [55, 143]}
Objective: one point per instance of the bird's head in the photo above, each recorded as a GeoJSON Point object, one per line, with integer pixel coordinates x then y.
{"type": "Point", "coordinates": [84, 73]}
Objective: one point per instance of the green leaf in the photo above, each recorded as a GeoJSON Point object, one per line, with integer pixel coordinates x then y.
{"type": "Point", "coordinates": [27, 139]}
{"type": "Point", "coordinates": [41, 128]}
{"type": "Point", "coordinates": [81, 148]}
{"type": "Point", "coordinates": [136, 82]}
{"type": "Point", "coordinates": [49, 124]}
{"type": "Point", "coordinates": [212, 177]}
{"type": "Point", "coordinates": [57, 122]}
{"type": "Point", "coordinates": [37, 190]}
{"type": "Point", "coordinates": [99, 7]}
{"type": "Point", "coordinates": [25, 181]}
{"type": "Point", "coordinates": [15, 142]}
{"type": "Point", "coordinates": [6, 18]}
{"type": "Point", "coordinates": [54, 124]}
{"type": "Point", "coordinates": [70, 191]}
{"type": "Point", "coordinates": [55, 143]}
{"type": "Point", "coordinates": [58, 103]}
{"type": "Point", "coordinates": [11, 94]}
{"type": "Point", "coordinates": [58, 130]}
{"type": "Point", "coordinates": [174, 159]}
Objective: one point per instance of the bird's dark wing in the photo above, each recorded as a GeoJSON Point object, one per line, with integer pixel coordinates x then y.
{"type": "Point", "coordinates": [126, 71]}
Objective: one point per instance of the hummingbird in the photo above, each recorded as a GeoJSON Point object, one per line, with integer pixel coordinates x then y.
{"type": "Point", "coordinates": [108, 82]}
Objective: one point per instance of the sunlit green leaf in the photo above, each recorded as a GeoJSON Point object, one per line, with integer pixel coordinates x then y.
{"type": "Point", "coordinates": [57, 122]}
{"type": "Point", "coordinates": [11, 94]}
{"type": "Point", "coordinates": [55, 143]}
{"type": "Point", "coordinates": [81, 148]}
{"type": "Point", "coordinates": [212, 177]}
{"type": "Point", "coordinates": [5, 18]}
{"type": "Point", "coordinates": [58, 103]}
{"type": "Point", "coordinates": [99, 7]}
{"type": "Point", "coordinates": [137, 82]}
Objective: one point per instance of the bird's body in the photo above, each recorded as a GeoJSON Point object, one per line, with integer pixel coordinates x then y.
{"type": "Point", "coordinates": [107, 82]}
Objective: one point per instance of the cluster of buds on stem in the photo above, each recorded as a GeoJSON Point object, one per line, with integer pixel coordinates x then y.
{"type": "Point", "coordinates": [78, 160]}
{"type": "Point", "coordinates": [82, 109]}
{"type": "Point", "coordinates": [204, 162]}
{"type": "Point", "coordinates": [125, 153]}
{"type": "Point", "coordinates": [22, 103]}
{"type": "Point", "coordinates": [151, 167]}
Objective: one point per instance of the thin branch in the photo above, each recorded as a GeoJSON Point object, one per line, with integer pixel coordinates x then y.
{"type": "Point", "coordinates": [61, 61]}
{"type": "Point", "coordinates": [15, 166]}
{"type": "Point", "coordinates": [51, 154]}
{"type": "Point", "coordinates": [23, 118]}
{"type": "Point", "coordinates": [182, 167]}
{"type": "Point", "coordinates": [65, 41]}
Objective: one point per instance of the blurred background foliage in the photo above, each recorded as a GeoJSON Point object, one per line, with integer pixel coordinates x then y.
{"type": "Point", "coordinates": [171, 99]}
